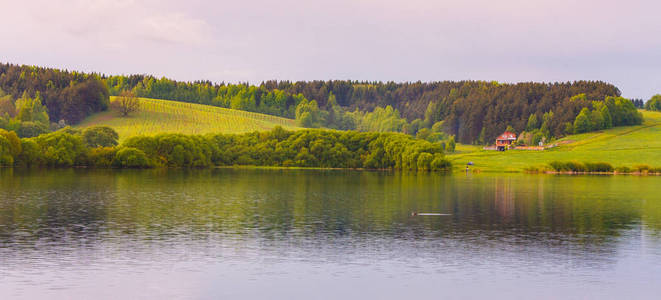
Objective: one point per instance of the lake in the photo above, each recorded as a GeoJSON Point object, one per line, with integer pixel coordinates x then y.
{"type": "Point", "coordinates": [313, 234]}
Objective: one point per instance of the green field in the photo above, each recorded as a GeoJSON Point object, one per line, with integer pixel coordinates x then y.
{"type": "Point", "coordinates": [621, 146]}
{"type": "Point", "coordinates": [163, 116]}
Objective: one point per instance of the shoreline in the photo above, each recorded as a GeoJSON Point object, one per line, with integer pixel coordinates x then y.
{"type": "Point", "coordinates": [448, 172]}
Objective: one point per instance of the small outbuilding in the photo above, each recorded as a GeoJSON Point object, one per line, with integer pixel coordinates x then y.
{"type": "Point", "coordinates": [505, 140]}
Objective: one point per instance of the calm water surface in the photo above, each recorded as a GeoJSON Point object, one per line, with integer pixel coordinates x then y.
{"type": "Point", "coordinates": [287, 234]}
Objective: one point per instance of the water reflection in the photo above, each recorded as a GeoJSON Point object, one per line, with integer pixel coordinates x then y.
{"type": "Point", "coordinates": [60, 226]}
{"type": "Point", "coordinates": [504, 198]}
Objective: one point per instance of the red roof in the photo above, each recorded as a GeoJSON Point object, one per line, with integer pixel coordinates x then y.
{"type": "Point", "coordinates": [507, 136]}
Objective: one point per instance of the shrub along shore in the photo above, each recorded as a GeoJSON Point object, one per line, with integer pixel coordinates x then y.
{"type": "Point", "coordinates": [97, 147]}
{"type": "Point", "coordinates": [574, 167]}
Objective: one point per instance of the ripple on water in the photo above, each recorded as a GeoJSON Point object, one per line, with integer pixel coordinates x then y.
{"type": "Point", "coordinates": [257, 234]}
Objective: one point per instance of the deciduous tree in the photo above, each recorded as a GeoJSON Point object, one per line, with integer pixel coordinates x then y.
{"type": "Point", "coordinates": [126, 103]}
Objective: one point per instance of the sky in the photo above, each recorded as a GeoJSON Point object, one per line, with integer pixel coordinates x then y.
{"type": "Point", "coordinates": [385, 40]}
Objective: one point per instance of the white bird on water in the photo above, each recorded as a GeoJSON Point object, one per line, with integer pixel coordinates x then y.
{"type": "Point", "coordinates": [413, 214]}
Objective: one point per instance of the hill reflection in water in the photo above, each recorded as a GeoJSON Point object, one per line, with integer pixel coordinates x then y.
{"type": "Point", "coordinates": [260, 233]}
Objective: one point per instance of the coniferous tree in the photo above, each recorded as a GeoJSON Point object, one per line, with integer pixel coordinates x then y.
{"type": "Point", "coordinates": [532, 123]}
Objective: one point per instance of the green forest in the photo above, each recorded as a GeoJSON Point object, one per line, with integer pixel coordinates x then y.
{"type": "Point", "coordinates": [474, 112]}
{"type": "Point", "coordinates": [68, 96]}
{"type": "Point", "coordinates": [98, 147]}
{"type": "Point", "coordinates": [35, 100]}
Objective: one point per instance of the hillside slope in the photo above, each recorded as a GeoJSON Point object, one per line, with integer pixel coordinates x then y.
{"type": "Point", "coordinates": [621, 146]}
{"type": "Point", "coordinates": [164, 116]}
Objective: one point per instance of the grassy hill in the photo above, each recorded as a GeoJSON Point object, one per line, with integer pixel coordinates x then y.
{"type": "Point", "coordinates": [621, 146]}
{"type": "Point", "coordinates": [160, 116]}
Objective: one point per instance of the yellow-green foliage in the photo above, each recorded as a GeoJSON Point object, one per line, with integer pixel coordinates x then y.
{"type": "Point", "coordinates": [163, 116]}
{"type": "Point", "coordinates": [621, 146]}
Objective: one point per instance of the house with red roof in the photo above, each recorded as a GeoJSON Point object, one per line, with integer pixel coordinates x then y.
{"type": "Point", "coordinates": [505, 140]}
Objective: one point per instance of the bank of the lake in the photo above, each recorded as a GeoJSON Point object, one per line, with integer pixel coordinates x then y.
{"type": "Point", "coordinates": [628, 146]}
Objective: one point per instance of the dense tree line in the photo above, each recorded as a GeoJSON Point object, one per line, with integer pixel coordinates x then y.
{"type": "Point", "coordinates": [236, 96]}
{"type": "Point", "coordinates": [638, 103]}
{"type": "Point", "coordinates": [481, 112]}
{"type": "Point", "coordinates": [264, 99]}
{"type": "Point", "coordinates": [613, 111]}
{"type": "Point", "coordinates": [97, 147]}
{"type": "Point", "coordinates": [27, 116]}
{"type": "Point", "coordinates": [605, 114]}
{"type": "Point", "coordinates": [472, 111]}
{"type": "Point", "coordinates": [68, 96]}
{"type": "Point", "coordinates": [594, 115]}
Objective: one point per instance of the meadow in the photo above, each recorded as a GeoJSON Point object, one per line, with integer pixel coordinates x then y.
{"type": "Point", "coordinates": [163, 116]}
{"type": "Point", "coordinates": [622, 146]}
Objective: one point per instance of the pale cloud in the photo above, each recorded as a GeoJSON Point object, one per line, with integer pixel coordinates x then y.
{"type": "Point", "coordinates": [508, 40]}
{"type": "Point", "coordinates": [119, 23]}
{"type": "Point", "coordinates": [174, 28]}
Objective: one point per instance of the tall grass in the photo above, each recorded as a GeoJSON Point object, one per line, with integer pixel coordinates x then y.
{"type": "Point", "coordinates": [577, 167]}
{"type": "Point", "coordinates": [600, 167]}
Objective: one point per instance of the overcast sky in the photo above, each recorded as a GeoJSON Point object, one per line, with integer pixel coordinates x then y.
{"type": "Point", "coordinates": [254, 40]}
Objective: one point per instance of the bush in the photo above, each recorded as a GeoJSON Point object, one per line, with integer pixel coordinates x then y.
{"type": "Point", "coordinates": [440, 164]}
{"type": "Point", "coordinates": [535, 169]}
{"type": "Point", "coordinates": [623, 169]}
{"type": "Point", "coordinates": [6, 158]}
{"type": "Point", "coordinates": [13, 140]}
{"type": "Point", "coordinates": [288, 163]}
{"type": "Point", "coordinates": [31, 154]}
{"type": "Point", "coordinates": [600, 167]}
{"type": "Point", "coordinates": [424, 161]}
{"type": "Point", "coordinates": [307, 148]}
{"type": "Point", "coordinates": [571, 166]}
{"type": "Point", "coordinates": [101, 157]}
{"type": "Point", "coordinates": [557, 166]}
{"type": "Point", "coordinates": [31, 129]}
{"type": "Point", "coordinates": [451, 145]}
{"type": "Point", "coordinates": [642, 168]}
{"type": "Point", "coordinates": [131, 158]}
{"type": "Point", "coordinates": [62, 149]}
{"type": "Point", "coordinates": [183, 151]}
{"type": "Point", "coordinates": [575, 166]}
{"type": "Point", "coordinates": [100, 136]}
{"type": "Point", "coordinates": [178, 150]}
{"type": "Point", "coordinates": [654, 104]}
{"type": "Point", "coordinates": [146, 144]}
